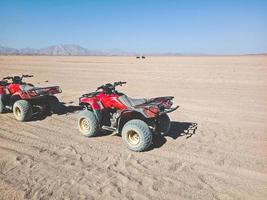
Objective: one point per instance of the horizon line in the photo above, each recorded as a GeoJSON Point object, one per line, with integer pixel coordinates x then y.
{"type": "Point", "coordinates": [104, 52]}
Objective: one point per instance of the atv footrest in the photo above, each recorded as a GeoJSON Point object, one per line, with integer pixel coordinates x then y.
{"type": "Point", "coordinates": [108, 128]}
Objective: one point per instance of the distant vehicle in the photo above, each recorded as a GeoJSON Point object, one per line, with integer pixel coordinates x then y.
{"type": "Point", "coordinates": [23, 97]}
{"type": "Point", "coordinates": [135, 119]}
{"type": "Point", "coordinates": [137, 57]}
{"type": "Point", "coordinates": [143, 57]}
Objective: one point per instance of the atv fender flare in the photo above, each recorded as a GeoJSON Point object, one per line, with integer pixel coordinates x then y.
{"type": "Point", "coordinates": [86, 105]}
{"type": "Point", "coordinates": [129, 114]}
{"type": "Point", "coordinates": [92, 104]}
{"type": "Point", "coordinates": [97, 113]}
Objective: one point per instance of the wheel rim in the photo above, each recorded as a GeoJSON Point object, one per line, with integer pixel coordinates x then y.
{"type": "Point", "coordinates": [84, 125]}
{"type": "Point", "coordinates": [133, 137]}
{"type": "Point", "coordinates": [17, 112]}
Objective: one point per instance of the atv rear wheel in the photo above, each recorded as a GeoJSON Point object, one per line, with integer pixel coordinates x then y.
{"type": "Point", "coordinates": [87, 123]}
{"type": "Point", "coordinates": [137, 135]}
{"type": "Point", "coordinates": [22, 110]}
{"type": "Point", "coordinates": [54, 105]}
{"type": "Point", "coordinates": [164, 124]}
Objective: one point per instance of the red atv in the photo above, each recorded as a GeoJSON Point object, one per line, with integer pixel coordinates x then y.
{"type": "Point", "coordinates": [135, 119]}
{"type": "Point", "coordinates": [23, 98]}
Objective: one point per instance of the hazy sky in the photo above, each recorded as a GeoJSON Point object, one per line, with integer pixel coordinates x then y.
{"type": "Point", "coordinates": [181, 26]}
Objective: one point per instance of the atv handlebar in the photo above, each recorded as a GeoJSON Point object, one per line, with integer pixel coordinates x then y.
{"type": "Point", "coordinates": [22, 76]}
{"type": "Point", "coordinates": [26, 76]}
{"type": "Point", "coordinates": [16, 79]}
{"type": "Point", "coordinates": [119, 83]}
{"type": "Point", "coordinates": [8, 77]}
{"type": "Point", "coordinates": [109, 88]}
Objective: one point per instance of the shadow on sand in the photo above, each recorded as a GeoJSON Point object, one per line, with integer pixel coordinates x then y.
{"type": "Point", "coordinates": [182, 129]}
{"type": "Point", "coordinates": [64, 110]}
{"type": "Point", "coordinates": [177, 129]}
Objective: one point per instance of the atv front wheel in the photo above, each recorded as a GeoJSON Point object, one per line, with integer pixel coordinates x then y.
{"type": "Point", "coordinates": [87, 123]}
{"type": "Point", "coordinates": [137, 135]}
{"type": "Point", "coordinates": [22, 110]}
{"type": "Point", "coordinates": [2, 106]}
{"type": "Point", "coordinates": [54, 105]}
{"type": "Point", "coordinates": [164, 124]}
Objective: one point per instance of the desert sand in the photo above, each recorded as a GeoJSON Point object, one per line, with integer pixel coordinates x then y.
{"type": "Point", "coordinates": [226, 158]}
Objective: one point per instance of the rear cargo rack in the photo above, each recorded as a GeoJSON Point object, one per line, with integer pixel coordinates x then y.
{"type": "Point", "coordinates": [168, 110]}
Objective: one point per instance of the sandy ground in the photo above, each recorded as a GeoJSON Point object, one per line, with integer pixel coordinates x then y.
{"type": "Point", "coordinates": [226, 159]}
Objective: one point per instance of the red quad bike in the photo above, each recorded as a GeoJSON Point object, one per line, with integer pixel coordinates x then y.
{"type": "Point", "coordinates": [24, 98]}
{"type": "Point", "coordinates": [135, 119]}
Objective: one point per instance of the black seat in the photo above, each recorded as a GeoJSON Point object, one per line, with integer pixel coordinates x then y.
{"type": "Point", "coordinates": [130, 102]}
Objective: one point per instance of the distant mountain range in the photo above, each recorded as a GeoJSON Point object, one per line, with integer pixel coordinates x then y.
{"type": "Point", "coordinates": [76, 50]}
{"type": "Point", "coordinates": [60, 50]}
